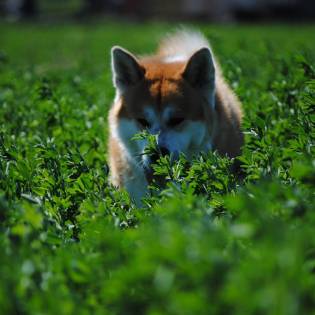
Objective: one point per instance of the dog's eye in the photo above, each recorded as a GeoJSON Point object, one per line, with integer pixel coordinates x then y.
{"type": "Point", "coordinates": [176, 121]}
{"type": "Point", "coordinates": [143, 122]}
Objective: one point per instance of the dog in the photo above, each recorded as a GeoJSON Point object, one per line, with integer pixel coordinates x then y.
{"type": "Point", "coordinates": [180, 96]}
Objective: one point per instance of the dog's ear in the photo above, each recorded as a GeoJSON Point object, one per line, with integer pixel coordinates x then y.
{"type": "Point", "coordinates": [126, 69]}
{"type": "Point", "coordinates": [199, 70]}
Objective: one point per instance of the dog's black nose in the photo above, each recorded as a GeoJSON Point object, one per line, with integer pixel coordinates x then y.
{"type": "Point", "coordinates": [164, 151]}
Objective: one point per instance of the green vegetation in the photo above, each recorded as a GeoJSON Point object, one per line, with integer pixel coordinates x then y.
{"type": "Point", "coordinates": [215, 241]}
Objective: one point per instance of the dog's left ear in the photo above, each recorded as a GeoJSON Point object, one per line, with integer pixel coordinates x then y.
{"type": "Point", "coordinates": [200, 71]}
{"type": "Point", "coordinates": [126, 69]}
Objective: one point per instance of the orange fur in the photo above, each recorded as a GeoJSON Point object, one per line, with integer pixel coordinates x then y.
{"type": "Point", "coordinates": [163, 85]}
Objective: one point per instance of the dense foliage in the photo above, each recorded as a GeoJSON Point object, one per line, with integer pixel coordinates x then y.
{"type": "Point", "coordinates": [219, 239]}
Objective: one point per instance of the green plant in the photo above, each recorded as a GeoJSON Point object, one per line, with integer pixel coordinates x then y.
{"type": "Point", "coordinates": [222, 237]}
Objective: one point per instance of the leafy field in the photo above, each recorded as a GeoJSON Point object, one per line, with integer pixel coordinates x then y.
{"type": "Point", "coordinates": [217, 240]}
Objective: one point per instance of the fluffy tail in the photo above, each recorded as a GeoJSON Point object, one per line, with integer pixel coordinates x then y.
{"type": "Point", "coordinates": [182, 43]}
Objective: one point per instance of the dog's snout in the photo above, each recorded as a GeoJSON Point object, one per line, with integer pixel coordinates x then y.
{"type": "Point", "coordinates": [164, 151]}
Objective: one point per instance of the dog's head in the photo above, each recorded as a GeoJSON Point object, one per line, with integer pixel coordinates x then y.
{"type": "Point", "coordinates": [172, 99]}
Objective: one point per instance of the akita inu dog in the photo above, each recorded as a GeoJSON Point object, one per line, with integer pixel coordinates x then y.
{"type": "Point", "coordinates": [180, 96]}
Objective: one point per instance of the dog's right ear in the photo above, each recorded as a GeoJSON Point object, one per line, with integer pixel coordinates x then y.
{"type": "Point", "coordinates": [126, 69]}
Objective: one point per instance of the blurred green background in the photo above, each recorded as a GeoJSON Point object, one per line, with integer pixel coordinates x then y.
{"type": "Point", "coordinates": [215, 241]}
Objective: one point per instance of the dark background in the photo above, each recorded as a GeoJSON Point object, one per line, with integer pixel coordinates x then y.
{"type": "Point", "coordinates": [203, 10]}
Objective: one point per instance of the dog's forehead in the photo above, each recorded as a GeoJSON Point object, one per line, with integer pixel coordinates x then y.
{"type": "Point", "coordinates": [167, 97]}
{"type": "Point", "coordinates": [156, 69]}
{"type": "Point", "coordinates": [165, 89]}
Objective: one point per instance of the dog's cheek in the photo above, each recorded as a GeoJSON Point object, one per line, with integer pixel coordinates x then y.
{"type": "Point", "coordinates": [190, 139]}
{"type": "Point", "coordinates": [197, 131]}
{"type": "Point", "coordinates": [140, 146]}
{"type": "Point", "coordinates": [127, 129]}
